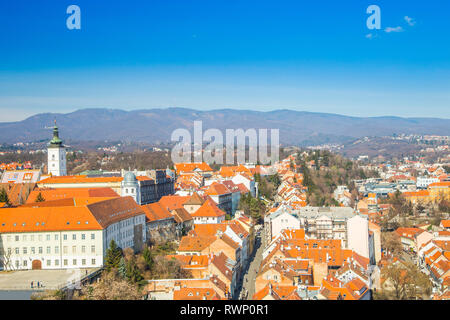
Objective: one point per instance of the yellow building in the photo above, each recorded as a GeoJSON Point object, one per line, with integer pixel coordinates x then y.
{"type": "Point", "coordinates": [439, 189]}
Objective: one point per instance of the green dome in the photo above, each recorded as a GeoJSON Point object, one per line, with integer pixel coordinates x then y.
{"type": "Point", "coordinates": [56, 141]}
{"type": "Point", "coordinates": [129, 177]}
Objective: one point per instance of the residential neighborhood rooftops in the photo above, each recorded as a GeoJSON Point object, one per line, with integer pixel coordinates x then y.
{"type": "Point", "coordinates": [208, 209]}
{"type": "Point", "coordinates": [155, 211]}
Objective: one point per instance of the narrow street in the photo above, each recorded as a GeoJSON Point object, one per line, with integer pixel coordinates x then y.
{"type": "Point", "coordinates": [247, 287]}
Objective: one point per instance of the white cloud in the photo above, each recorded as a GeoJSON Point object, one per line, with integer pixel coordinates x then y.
{"type": "Point", "coordinates": [369, 36]}
{"type": "Point", "coordinates": [410, 21]}
{"type": "Point", "coordinates": [393, 29]}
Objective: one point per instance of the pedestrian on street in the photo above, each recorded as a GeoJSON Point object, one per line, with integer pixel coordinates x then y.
{"type": "Point", "coordinates": [31, 284]}
{"type": "Point", "coordinates": [38, 284]}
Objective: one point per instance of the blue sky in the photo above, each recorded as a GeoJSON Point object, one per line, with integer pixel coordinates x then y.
{"type": "Point", "coordinates": [241, 54]}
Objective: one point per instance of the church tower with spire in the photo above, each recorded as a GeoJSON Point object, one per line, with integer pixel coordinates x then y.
{"type": "Point", "coordinates": [56, 155]}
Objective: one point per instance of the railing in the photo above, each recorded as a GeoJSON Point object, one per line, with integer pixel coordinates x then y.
{"type": "Point", "coordinates": [82, 281]}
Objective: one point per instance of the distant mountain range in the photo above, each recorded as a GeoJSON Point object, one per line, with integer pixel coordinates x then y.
{"type": "Point", "coordinates": [156, 125]}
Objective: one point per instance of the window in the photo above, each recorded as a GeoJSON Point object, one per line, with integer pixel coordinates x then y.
{"type": "Point", "coordinates": [9, 237]}
{"type": "Point", "coordinates": [40, 250]}
{"type": "Point", "coordinates": [32, 238]}
{"type": "Point", "coordinates": [48, 263]}
{"type": "Point", "coordinates": [56, 237]}
{"type": "Point", "coordinates": [57, 262]}
{"type": "Point", "coordinates": [40, 237]}
{"type": "Point", "coordinates": [17, 250]}
{"type": "Point", "coordinates": [83, 237]}
{"type": "Point", "coordinates": [33, 250]}
{"type": "Point", "coordinates": [93, 261]}
{"type": "Point", "coordinates": [92, 249]}
{"type": "Point", "coordinates": [65, 237]}
{"type": "Point", "coordinates": [74, 249]}
{"type": "Point", "coordinates": [48, 237]}
{"type": "Point", "coordinates": [83, 249]}
{"type": "Point", "coordinates": [17, 238]}
{"type": "Point", "coordinates": [24, 250]}
{"type": "Point", "coordinates": [17, 263]}
{"type": "Point", "coordinates": [56, 249]}
{"type": "Point", "coordinates": [92, 236]}
{"type": "Point", "coordinates": [25, 263]}
{"type": "Point", "coordinates": [24, 237]}
{"type": "Point", "coordinates": [65, 262]}
{"type": "Point", "coordinates": [74, 262]}
{"type": "Point", "coordinates": [83, 262]}
{"type": "Point", "coordinates": [65, 249]}
{"type": "Point", "coordinates": [74, 237]}
{"type": "Point", "coordinates": [48, 250]}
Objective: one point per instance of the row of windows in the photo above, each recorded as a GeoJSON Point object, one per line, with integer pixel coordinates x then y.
{"type": "Point", "coordinates": [48, 237]}
{"type": "Point", "coordinates": [40, 250]}
{"type": "Point", "coordinates": [56, 262]}
{"type": "Point", "coordinates": [126, 223]}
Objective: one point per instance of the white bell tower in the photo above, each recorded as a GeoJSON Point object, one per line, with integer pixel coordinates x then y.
{"type": "Point", "coordinates": [56, 155]}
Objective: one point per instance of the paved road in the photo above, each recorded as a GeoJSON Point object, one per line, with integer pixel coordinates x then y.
{"type": "Point", "coordinates": [248, 283]}
{"type": "Point", "coordinates": [50, 279]}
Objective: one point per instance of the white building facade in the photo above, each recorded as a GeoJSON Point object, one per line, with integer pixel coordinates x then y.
{"type": "Point", "coordinates": [56, 153]}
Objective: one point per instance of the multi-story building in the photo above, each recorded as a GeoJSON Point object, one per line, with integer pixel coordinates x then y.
{"type": "Point", "coordinates": [144, 189]}
{"type": "Point", "coordinates": [67, 237]}
{"type": "Point", "coordinates": [279, 220]}
{"type": "Point", "coordinates": [325, 222]}
{"type": "Point", "coordinates": [424, 182]}
{"type": "Point", "coordinates": [221, 196]}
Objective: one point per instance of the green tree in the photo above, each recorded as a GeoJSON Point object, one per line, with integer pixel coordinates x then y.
{"type": "Point", "coordinates": [133, 273]}
{"type": "Point", "coordinates": [113, 256]}
{"type": "Point", "coordinates": [122, 268]}
{"type": "Point", "coordinates": [148, 257]}
{"type": "Point", "coordinates": [4, 196]}
{"type": "Point", "coordinates": [39, 198]}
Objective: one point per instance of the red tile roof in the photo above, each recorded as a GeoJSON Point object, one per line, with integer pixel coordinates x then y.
{"type": "Point", "coordinates": [208, 209]}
